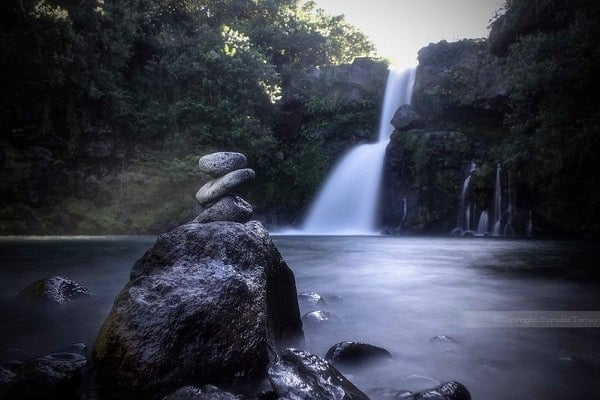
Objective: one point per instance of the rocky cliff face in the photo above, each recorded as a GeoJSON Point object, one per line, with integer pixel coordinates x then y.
{"type": "Point", "coordinates": [456, 120]}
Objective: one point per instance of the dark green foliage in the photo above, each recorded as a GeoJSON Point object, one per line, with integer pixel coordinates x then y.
{"type": "Point", "coordinates": [116, 96]}
{"type": "Point", "coordinates": [554, 116]}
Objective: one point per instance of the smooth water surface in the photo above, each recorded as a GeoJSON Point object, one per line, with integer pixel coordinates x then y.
{"type": "Point", "coordinates": [396, 293]}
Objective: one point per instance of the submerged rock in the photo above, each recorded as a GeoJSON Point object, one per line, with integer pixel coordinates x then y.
{"type": "Point", "coordinates": [319, 319]}
{"type": "Point", "coordinates": [448, 391]}
{"type": "Point", "coordinates": [54, 291]}
{"type": "Point", "coordinates": [355, 354]}
{"type": "Point", "coordinates": [217, 188]}
{"type": "Point", "coordinates": [221, 163]}
{"type": "Point", "coordinates": [228, 208]}
{"type": "Point", "coordinates": [6, 376]}
{"type": "Point", "coordinates": [311, 299]}
{"type": "Point", "coordinates": [300, 375]}
{"type": "Point", "coordinates": [205, 304]}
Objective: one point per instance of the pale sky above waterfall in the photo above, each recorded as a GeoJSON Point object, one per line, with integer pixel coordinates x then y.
{"type": "Point", "coordinates": [399, 28]}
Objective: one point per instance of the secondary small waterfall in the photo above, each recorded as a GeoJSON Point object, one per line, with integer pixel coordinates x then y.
{"type": "Point", "coordinates": [464, 212]}
{"type": "Point", "coordinates": [347, 203]}
{"type": "Point", "coordinates": [483, 226]}
{"type": "Point", "coordinates": [497, 205]}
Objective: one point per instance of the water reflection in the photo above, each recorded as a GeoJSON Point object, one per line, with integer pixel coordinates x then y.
{"type": "Point", "coordinates": [396, 293]}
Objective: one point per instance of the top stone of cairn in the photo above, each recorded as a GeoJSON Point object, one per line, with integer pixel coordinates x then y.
{"type": "Point", "coordinates": [219, 164]}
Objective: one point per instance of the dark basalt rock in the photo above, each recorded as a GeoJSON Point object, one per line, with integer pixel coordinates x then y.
{"type": "Point", "coordinates": [355, 354]}
{"type": "Point", "coordinates": [448, 391]}
{"type": "Point", "coordinates": [53, 291]}
{"type": "Point", "coordinates": [206, 304]}
{"type": "Point", "coordinates": [228, 208]}
{"type": "Point", "coordinates": [208, 392]}
{"type": "Point", "coordinates": [319, 319]}
{"type": "Point", "coordinates": [406, 118]}
{"type": "Point", "coordinates": [300, 375]}
{"type": "Point", "coordinates": [6, 376]}
{"type": "Point", "coordinates": [56, 375]}
{"type": "Point", "coordinates": [311, 299]}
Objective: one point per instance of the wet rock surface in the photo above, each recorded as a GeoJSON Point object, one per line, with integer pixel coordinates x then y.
{"type": "Point", "coordinates": [204, 305]}
{"type": "Point", "coordinates": [300, 375]}
{"type": "Point", "coordinates": [311, 299]}
{"type": "Point", "coordinates": [320, 319]}
{"type": "Point", "coordinates": [208, 392]}
{"type": "Point", "coordinates": [56, 290]}
{"type": "Point", "coordinates": [355, 354]}
{"type": "Point", "coordinates": [228, 208]}
{"type": "Point", "coordinates": [448, 391]}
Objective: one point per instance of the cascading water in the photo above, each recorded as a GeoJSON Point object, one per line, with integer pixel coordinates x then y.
{"type": "Point", "coordinates": [464, 213]}
{"type": "Point", "coordinates": [347, 202]}
{"type": "Point", "coordinates": [483, 226]}
{"type": "Point", "coordinates": [497, 205]}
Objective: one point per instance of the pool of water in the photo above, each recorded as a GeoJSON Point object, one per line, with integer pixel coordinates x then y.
{"type": "Point", "coordinates": [396, 293]}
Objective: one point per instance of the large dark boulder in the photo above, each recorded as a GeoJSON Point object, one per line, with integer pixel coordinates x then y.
{"type": "Point", "coordinates": [208, 303]}
{"type": "Point", "coordinates": [300, 375]}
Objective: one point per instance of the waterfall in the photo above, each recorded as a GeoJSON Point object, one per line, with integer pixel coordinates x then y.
{"type": "Point", "coordinates": [347, 203]}
{"type": "Point", "coordinates": [497, 204]}
{"type": "Point", "coordinates": [483, 226]}
{"type": "Point", "coordinates": [464, 213]}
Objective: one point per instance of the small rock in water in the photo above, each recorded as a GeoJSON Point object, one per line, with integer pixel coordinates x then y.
{"type": "Point", "coordinates": [319, 319]}
{"type": "Point", "coordinates": [448, 391]}
{"type": "Point", "coordinates": [354, 354]}
{"type": "Point", "coordinates": [56, 290]}
{"type": "Point", "coordinates": [301, 375]}
{"type": "Point", "coordinates": [208, 392]}
{"type": "Point", "coordinates": [78, 348]}
{"type": "Point", "coordinates": [6, 376]}
{"type": "Point", "coordinates": [311, 299]}
{"type": "Point", "coordinates": [228, 208]}
{"type": "Point", "coordinates": [217, 188]}
{"type": "Point", "coordinates": [443, 340]}
{"type": "Point", "coordinates": [221, 163]}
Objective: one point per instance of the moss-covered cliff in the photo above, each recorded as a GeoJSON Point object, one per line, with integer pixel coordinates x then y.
{"type": "Point", "coordinates": [527, 100]}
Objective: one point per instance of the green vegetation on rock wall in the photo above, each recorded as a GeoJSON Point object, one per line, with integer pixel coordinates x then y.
{"type": "Point", "coordinates": [108, 104]}
{"type": "Point", "coordinates": [525, 99]}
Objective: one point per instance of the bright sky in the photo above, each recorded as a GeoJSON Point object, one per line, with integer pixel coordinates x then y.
{"type": "Point", "coordinates": [399, 28]}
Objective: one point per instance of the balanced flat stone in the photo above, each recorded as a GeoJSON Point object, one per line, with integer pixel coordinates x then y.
{"type": "Point", "coordinates": [221, 163]}
{"type": "Point", "coordinates": [228, 208]}
{"type": "Point", "coordinates": [217, 188]}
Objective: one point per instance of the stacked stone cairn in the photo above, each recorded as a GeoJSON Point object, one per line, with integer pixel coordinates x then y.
{"type": "Point", "coordinates": [218, 196]}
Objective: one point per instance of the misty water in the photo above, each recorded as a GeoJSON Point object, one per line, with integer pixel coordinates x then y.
{"type": "Point", "coordinates": [393, 292]}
